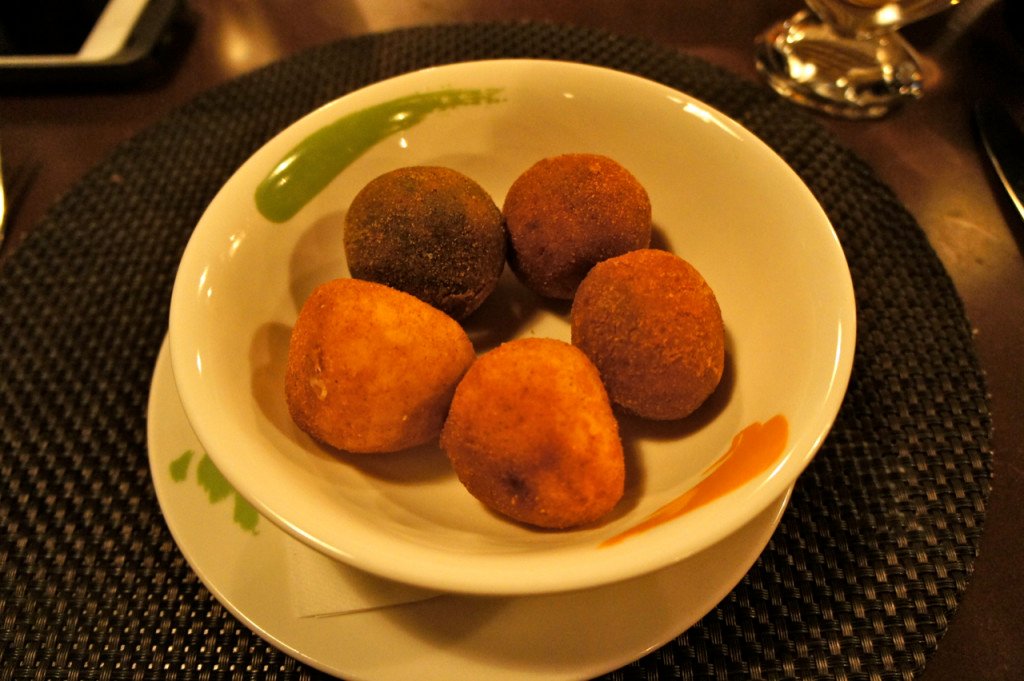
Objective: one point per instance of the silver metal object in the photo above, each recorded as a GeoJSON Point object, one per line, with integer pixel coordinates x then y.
{"type": "Point", "coordinates": [3, 203]}
{"type": "Point", "coordinates": [1003, 141]}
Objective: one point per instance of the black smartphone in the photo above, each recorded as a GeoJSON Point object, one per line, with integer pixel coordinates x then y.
{"type": "Point", "coordinates": [81, 41]}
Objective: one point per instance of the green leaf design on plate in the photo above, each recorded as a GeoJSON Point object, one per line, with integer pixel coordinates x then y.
{"type": "Point", "coordinates": [212, 480]}
{"type": "Point", "coordinates": [217, 488]}
{"type": "Point", "coordinates": [246, 515]}
{"type": "Point", "coordinates": [179, 467]}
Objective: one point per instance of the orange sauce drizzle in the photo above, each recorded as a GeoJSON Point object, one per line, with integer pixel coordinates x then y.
{"type": "Point", "coordinates": [753, 451]}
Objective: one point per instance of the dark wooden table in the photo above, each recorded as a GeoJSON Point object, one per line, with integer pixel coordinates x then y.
{"type": "Point", "coordinates": [926, 152]}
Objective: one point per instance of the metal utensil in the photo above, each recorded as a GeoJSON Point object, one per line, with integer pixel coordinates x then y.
{"type": "Point", "coordinates": [3, 202]}
{"type": "Point", "coordinates": [1003, 141]}
{"type": "Point", "coordinates": [15, 183]}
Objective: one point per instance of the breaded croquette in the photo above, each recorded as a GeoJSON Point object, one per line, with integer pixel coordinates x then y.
{"type": "Point", "coordinates": [652, 325]}
{"type": "Point", "coordinates": [428, 231]}
{"type": "Point", "coordinates": [372, 369]}
{"type": "Point", "coordinates": [567, 213]}
{"type": "Point", "coordinates": [531, 434]}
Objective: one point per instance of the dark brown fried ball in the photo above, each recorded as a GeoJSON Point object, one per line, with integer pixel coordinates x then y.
{"type": "Point", "coordinates": [653, 327]}
{"type": "Point", "coordinates": [372, 369]}
{"type": "Point", "coordinates": [531, 434]}
{"type": "Point", "coordinates": [428, 231]}
{"type": "Point", "coordinates": [567, 213]}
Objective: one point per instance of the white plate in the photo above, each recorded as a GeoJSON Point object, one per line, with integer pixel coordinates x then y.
{"type": "Point", "coordinates": [721, 200]}
{"type": "Point", "coordinates": [562, 636]}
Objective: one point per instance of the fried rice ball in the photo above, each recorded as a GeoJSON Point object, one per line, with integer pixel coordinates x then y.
{"type": "Point", "coordinates": [567, 213]}
{"type": "Point", "coordinates": [428, 231]}
{"type": "Point", "coordinates": [372, 369]}
{"type": "Point", "coordinates": [652, 326]}
{"type": "Point", "coordinates": [531, 434]}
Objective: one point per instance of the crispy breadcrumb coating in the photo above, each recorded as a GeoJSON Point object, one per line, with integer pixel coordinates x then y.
{"type": "Point", "coordinates": [652, 325]}
{"type": "Point", "coordinates": [531, 434]}
{"type": "Point", "coordinates": [372, 369]}
{"type": "Point", "coordinates": [428, 231]}
{"type": "Point", "coordinates": [567, 213]}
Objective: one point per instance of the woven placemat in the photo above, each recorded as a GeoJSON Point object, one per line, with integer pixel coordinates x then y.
{"type": "Point", "coordinates": [860, 580]}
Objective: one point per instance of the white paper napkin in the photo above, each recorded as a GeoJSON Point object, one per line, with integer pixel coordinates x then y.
{"type": "Point", "coordinates": [323, 587]}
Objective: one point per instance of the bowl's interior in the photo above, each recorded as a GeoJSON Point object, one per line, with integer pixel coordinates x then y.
{"type": "Point", "coordinates": [721, 199]}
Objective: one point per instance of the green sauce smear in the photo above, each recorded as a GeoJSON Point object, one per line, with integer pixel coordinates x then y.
{"type": "Point", "coordinates": [318, 159]}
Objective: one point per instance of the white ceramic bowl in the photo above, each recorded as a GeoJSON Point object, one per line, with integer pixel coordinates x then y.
{"type": "Point", "coordinates": [721, 199]}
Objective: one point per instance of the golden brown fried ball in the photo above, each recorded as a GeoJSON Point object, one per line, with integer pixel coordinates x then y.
{"type": "Point", "coordinates": [653, 327]}
{"type": "Point", "coordinates": [428, 231]}
{"type": "Point", "coordinates": [372, 369]}
{"type": "Point", "coordinates": [531, 434]}
{"type": "Point", "coordinates": [567, 213]}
